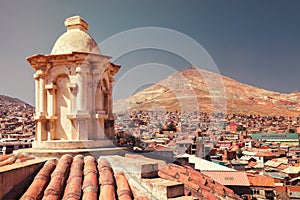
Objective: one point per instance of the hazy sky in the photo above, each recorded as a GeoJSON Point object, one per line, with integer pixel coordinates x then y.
{"type": "Point", "coordinates": [255, 42]}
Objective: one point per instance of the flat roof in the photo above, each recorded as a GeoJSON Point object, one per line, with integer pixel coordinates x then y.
{"type": "Point", "coordinates": [275, 136]}
{"type": "Point", "coordinates": [204, 165]}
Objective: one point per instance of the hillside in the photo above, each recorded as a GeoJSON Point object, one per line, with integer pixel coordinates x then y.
{"type": "Point", "coordinates": [195, 89]}
{"type": "Point", "coordinates": [10, 106]}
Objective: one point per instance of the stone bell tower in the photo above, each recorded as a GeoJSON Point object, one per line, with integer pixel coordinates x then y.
{"type": "Point", "coordinates": [73, 87]}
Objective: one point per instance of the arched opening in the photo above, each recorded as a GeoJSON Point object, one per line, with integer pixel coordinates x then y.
{"type": "Point", "coordinates": [101, 97]}
{"type": "Point", "coordinates": [105, 96]}
{"type": "Point", "coordinates": [63, 124]}
{"type": "Point", "coordinates": [98, 102]}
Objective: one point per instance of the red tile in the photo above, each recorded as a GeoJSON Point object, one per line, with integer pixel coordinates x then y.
{"type": "Point", "coordinates": [58, 178]}
{"type": "Point", "coordinates": [123, 188]}
{"type": "Point", "coordinates": [40, 182]}
{"type": "Point", "coordinates": [138, 195]}
{"type": "Point", "coordinates": [106, 180]}
{"type": "Point", "coordinates": [90, 180]}
{"type": "Point", "coordinates": [5, 157]}
{"type": "Point", "coordinates": [74, 183]}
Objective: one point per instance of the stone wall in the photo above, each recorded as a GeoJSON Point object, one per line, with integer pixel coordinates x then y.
{"type": "Point", "coordinates": [14, 179]}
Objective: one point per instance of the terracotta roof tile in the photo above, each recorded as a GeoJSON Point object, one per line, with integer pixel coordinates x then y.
{"type": "Point", "coordinates": [87, 178]}
{"type": "Point", "coordinates": [265, 154]}
{"type": "Point", "coordinates": [13, 158]}
{"type": "Point", "coordinates": [209, 195]}
{"type": "Point", "coordinates": [260, 180]}
{"type": "Point", "coordinates": [123, 191]}
{"type": "Point", "coordinates": [280, 189]}
{"type": "Point", "coordinates": [58, 179]}
{"type": "Point", "coordinates": [5, 157]}
{"type": "Point", "coordinates": [106, 180]}
{"type": "Point", "coordinates": [229, 178]}
{"type": "Point", "coordinates": [196, 183]}
{"type": "Point", "coordinates": [293, 188]}
{"type": "Point", "coordinates": [137, 194]}
{"type": "Point", "coordinates": [252, 164]}
{"type": "Point", "coordinates": [90, 180]}
{"type": "Point", "coordinates": [24, 159]}
{"type": "Point", "coordinates": [40, 182]}
{"type": "Point", "coordinates": [8, 161]}
{"type": "Point", "coordinates": [73, 187]}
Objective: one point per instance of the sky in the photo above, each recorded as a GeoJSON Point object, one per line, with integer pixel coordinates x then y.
{"type": "Point", "coordinates": [252, 41]}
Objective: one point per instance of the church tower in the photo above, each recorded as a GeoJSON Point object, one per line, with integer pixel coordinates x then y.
{"type": "Point", "coordinates": [73, 92]}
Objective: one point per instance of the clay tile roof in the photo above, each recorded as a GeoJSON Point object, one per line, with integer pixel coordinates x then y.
{"type": "Point", "coordinates": [293, 188]}
{"type": "Point", "coordinates": [87, 178]}
{"type": "Point", "coordinates": [40, 182]}
{"type": "Point", "coordinates": [196, 183]}
{"type": "Point", "coordinates": [280, 189]}
{"type": "Point", "coordinates": [229, 178]}
{"type": "Point", "coordinates": [265, 154]}
{"type": "Point", "coordinates": [260, 180]}
{"type": "Point", "coordinates": [13, 158]}
{"type": "Point", "coordinates": [123, 191]}
{"type": "Point", "coordinates": [106, 180]}
{"type": "Point", "coordinates": [90, 179]}
{"type": "Point", "coordinates": [79, 178]}
{"type": "Point", "coordinates": [58, 178]}
{"type": "Point", "coordinates": [252, 164]}
{"type": "Point", "coordinates": [73, 187]}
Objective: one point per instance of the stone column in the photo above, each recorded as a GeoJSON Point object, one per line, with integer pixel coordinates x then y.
{"type": "Point", "coordinates": [37, 96]}
{"type": "Point", "coordinates": [40, 116]}
{"type": "Point", "coordinates": [51, 108]}
{"type": "Point", "coordinates": [110, 98]}
{"type": "Point", "coordinates": [51, 99]}
{"type": "Point", "coordinates": [82, 112]}
{"type": "Point", "coordinates": [42, 96]}
{"type": "Point", "coordinates": [82, 104]}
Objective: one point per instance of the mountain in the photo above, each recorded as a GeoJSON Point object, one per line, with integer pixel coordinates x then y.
{"type": "Point", "coordinates": [195, 89]}
{"type": "Point", "coordinates": [6, 100]}
{"type": "Point", "coordinates": [10, 106]}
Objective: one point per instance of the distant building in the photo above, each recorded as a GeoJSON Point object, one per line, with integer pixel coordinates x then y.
{"type": "Point", "coordinates": [231, 127]}
{"type": "Point", "coordinates": [291, 138]}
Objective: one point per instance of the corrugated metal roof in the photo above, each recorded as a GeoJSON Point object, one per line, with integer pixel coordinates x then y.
{"type": "Point", "coordinates": [231, 178]}
{"type": "Point", "coordinates": [275, 136]}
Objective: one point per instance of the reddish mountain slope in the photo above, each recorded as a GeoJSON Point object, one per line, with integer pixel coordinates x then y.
{"type": "Point", "coordinates": [195, 89]}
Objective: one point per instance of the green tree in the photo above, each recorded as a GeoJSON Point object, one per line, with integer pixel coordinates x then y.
{"type": "Point", "coordinates": [171, 127]}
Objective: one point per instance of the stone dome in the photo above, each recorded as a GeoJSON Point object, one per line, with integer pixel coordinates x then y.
{"type": "Point", "coordinates": [76, 39]}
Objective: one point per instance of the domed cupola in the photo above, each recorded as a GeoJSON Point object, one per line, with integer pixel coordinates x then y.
{"type": "Point", "coordinates": [76, 39]}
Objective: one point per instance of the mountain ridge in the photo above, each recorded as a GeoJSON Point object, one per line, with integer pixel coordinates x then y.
{"type": "Point", "coordinates": [213, 93]}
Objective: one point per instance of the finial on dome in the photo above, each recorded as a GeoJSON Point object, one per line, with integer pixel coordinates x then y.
{"type": "Point", "coordinates": [76, 22]}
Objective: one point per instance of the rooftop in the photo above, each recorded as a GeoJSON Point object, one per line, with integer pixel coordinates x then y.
{"type": "Point", "coordinates": [204, 165]}
{"type": "Point", "coordinates": [117, 177]}
{"type": "Point", "coordinates": [229, 178]}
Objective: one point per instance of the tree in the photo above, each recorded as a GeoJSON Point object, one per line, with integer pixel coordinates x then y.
{"type": "Point", "coordinates": [171, 127]}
